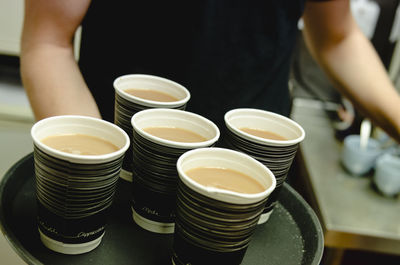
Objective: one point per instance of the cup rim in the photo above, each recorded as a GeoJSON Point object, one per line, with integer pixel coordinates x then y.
{"type": "Point", "coordinates": [170, 143]}
{"type": "Point", "coordinates": [388, 159]}
{"type": "Point", "coordinates": [77, 158]}
{"type": "Point", "coordinates": [229, 196]}
{"type": "Point", "coordinates": [352, 142]}
{"type": "Point", "coordinates": [263, 114]}
{"type": "Point", "coordinates": [355, 137]}
{"type": "Point", "coordinates": [151, 103]}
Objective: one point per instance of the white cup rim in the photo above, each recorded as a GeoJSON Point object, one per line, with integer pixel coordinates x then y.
{"type": "Point", "coordinates": [248, 112]}
{"type": "Point", "coordinates": [222, 194]}
{"type": "Point", "coordinates": [388, 159]}
{"type": "Point", "coordinates": [76, 158]}
{"type": "Point", "coordinates": [170, 143]}
{"type": "Point", "coordinates": [151, 103]}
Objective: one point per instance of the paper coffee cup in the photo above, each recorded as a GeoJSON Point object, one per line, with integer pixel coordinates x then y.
{"type": "Point", "coordinates": [275, 153]}
{"type": "Point", "coordinates": [154, 163]}
{"type": "Point", "coordinates": [126, 105]}
{"type": "Point", "coordinates": [214, 225]}
{"type": "Point", "coordinates": [74, 191]}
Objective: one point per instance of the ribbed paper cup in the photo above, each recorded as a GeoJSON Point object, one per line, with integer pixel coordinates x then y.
{"type": "Point", "coordinates": [154, 164]}
{"type": "Point", "coordinates": [213, 225]}
{"type": "Point", "coordinates": [75, 192]}
{"type": "Point", "coordinates": [356, 160]}
{"type": "Point", "coordinates": [126, 105]}
{"type": "Point", "coordinates": [386, 175]}
{"type": "Point", "coordinates": [277, 155]}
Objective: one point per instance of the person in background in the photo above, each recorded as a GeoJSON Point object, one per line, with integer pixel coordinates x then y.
{"type": "Point", "coordinates": [228, 53]}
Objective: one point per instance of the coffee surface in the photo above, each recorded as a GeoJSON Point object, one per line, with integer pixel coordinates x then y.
{"type": "Point", "coordinates": [80, 144]}
{"type": "Point", "coordinates": [175, 134]}
{"type": "Point", "coordinates": [226, 179]}
{"type": "Point", "coordinates": [151, 95]}
{"type": "Point", "coordinates": [263, 134]}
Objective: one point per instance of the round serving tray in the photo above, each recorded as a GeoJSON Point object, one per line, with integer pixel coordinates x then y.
{"type": "Point", "coordinates": [292, 235]}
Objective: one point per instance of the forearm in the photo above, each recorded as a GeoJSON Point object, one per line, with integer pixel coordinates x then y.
{"type": "Point", "coordinates": [53, 82]}
{"type": "Point", "coordinates": [361, 77]}
{"type": "Point", "coordinates": [351, 62]}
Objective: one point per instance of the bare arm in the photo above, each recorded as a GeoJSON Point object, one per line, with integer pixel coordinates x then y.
{"type": "Point", "coordinates": [50, 74]}
{"type": "Point", "coordinates": [351, 62]}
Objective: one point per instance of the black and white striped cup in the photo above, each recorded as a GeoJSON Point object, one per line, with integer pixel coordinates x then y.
{"type": "Point", "coordinates": [214, 225]}
{"type": "Point", "coordinates": [126, 105]}
{"type": "Point", "coordinates": [154, 164]}
{"type": "Point", "coordinates": [277, 155]}
{"type": "Point", "coordinates": [74, 192]}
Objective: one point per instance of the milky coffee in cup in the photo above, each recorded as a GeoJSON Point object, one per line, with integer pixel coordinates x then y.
{"type": "Point", "coordinates": [80, 144]}
{"type": "Point", "coordinates": [226, 179]}
{"type": "Point", "coordinates": [150, 94]}
{"type": "Point", "coordinates": [175, 134]}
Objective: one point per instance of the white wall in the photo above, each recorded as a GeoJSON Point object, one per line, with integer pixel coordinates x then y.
{"type": "Point", "coordinates": [11, 19]}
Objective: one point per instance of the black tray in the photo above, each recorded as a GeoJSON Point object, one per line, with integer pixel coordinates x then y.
{"type": "Point", "coordinates": [292, 235]}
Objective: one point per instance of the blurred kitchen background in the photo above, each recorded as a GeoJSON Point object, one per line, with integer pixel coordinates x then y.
{"type": "Point", "coordinates": [380, 20]}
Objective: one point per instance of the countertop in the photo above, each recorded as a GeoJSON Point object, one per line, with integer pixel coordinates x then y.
{"type": "Point", "coordinates": [353, 214]}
